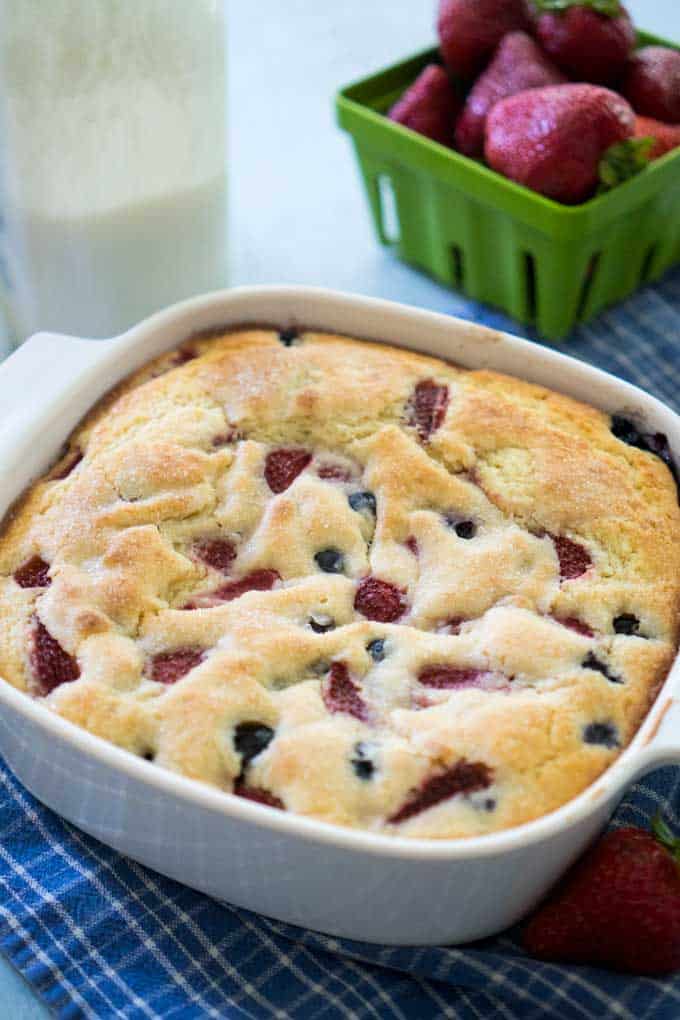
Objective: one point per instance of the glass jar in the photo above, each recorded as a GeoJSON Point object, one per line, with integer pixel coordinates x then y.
{"type": "Point", "coordinates": [113, 165]}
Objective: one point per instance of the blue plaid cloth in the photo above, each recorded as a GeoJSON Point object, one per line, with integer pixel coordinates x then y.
{"type": "Point", "coordinates": [100, 936]}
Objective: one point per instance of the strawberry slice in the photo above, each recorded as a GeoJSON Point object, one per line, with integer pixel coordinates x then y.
{"type": "Point", "coordinates": [427, 407]}
{"type": "Point", "coordinates": [444, 677]}
{"type": "Point", "coordinates": [52, 665]}
{"type": "Point", "coordinates": [169, 667]}
{"type": "Point", "coordinates": [258, 580]}
{"type": "Point", "coordinates": [463, 778]}
{"type": "Point", "coordinates": [283, 466]}
{"type": "Point", "coordinates": [217, 553]}
{"type": "Point", "coordinates": [34, 573]}
{"type": "Point", "coordinates": [258, 795]}
{"type": "Point", "coordinates": [342, 694]}
{"type": "Point", "coordinates": [574, 558]}
{"type": "Point", "coordinates": [379, 600]}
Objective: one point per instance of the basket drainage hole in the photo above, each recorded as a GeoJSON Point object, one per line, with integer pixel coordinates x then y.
{"type": "Point", "coordinates": [389, 216]}
{"type": "Point", "coordinates": [646, 270]}
{"type": "Point", "coordinates": [458, 262]}
{"type": "Point", "coordinates": [530, 285]}
{"type": "Point", "coordinates": [588, 283]}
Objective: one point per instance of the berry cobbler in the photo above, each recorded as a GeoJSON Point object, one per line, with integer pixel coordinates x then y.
{"type": "Point", "coordinates": [350, 582]}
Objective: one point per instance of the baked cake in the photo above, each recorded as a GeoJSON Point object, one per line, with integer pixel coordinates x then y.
{"type": "Point", "coordinates": [348, 581]}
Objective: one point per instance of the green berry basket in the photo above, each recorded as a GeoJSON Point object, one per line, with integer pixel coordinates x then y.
{"type": "Point", "coordinates": [545, 264]}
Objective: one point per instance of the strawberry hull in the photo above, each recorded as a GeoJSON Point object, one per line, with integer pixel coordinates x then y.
{"type": "Point", "coordinates": [544, 263]}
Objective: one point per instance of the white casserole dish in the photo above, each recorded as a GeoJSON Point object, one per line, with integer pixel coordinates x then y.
{"type": "Point", "coordinates": [340, 881]}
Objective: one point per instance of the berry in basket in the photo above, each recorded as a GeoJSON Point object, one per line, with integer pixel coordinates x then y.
{"type": "Point", "coordinates": [589, 39]}
{"type": "Point", "coordinates": [470, 30]}
{"type": "Point", "coordinates": [555, 140]}
{"type": "Point", "coordinates": [666, 137]}
{"type": "Point", "coordinates": [518, 64]}
{"type": "Point", "coordinates": [429, 106]}
{"type": "Point", "coordinates": [652, 83]}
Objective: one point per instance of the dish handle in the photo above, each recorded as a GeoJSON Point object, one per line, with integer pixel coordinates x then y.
{"type": "Point", "coordinates": [663, 742]}
{"type": "Point", "coordinates": [42, 369]}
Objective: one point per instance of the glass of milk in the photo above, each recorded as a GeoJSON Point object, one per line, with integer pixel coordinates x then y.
{"type": "Point", "coordinates": [112, 160]}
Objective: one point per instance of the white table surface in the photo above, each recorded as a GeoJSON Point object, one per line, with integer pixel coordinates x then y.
{"type": "Point", "coordinates": [298, 214]}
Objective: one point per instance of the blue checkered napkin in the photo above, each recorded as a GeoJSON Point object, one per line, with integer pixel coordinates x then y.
{"type": "Point", "coordinates": [99, 936]}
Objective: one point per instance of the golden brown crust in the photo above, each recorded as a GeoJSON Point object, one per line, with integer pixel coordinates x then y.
{"type": "Point", "coordinates": [512, 528]}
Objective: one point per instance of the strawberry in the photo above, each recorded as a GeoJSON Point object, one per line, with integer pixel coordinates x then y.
{"type": "Point", "coordinates": [430, 106]}
{"type": "Point", "coordinates": [470, 30]}
{"type": "Point", "coordinates": [518, 64]}
{"type": "Point", "coordinates": [652, 83]}
{"type": "Point", "coordinates": [619, 907]}
{"type": "Point", "coordinates": [589, 39]}
{"type": "Point", "coordinates": [554, 140]}
{"type": "Point", "coordinates": [666, 137]}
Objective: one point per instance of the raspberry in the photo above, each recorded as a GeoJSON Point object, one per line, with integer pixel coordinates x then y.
{"type": "Point", "coordinates": [34, 573]}
{"type": "Point", "coordinates": [427, 407]}
{"type": "Point", "coordinates": [341, 694]}
{"type": "Point", "coordinates": [51, 664]}
{"type": "Point", "coordinates": [574, 558]}
{"type": "Point", "coordinates": [462, 778]}
{"type": "Point", "coordinates": [379, 600]}
{"type": "Point", "coordinates": [169, 667]}
{"type": "Point", "coordinates": [258, 795]}
{"type": "Point", "coordinates": [411, 544]}
{"type": "Point", "coordinates": [217, 553]}
{"type": "Point", "coordinates": [283, 466]}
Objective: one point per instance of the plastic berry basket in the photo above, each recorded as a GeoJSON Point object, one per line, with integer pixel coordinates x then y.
{"type": "Point", "coordinates": [544, 263]}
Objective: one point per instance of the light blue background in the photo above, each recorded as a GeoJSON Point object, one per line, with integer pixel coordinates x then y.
{"type": "Point", "coordinates": [297, 210]}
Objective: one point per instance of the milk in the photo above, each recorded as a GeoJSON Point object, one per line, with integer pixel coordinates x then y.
{"type": "Point", "coordinates": [113, 176]}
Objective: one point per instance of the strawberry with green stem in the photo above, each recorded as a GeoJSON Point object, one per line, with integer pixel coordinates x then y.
{"type": "Point", "coordinates": [564, 141]}
{"type": "Point", "coordinates": [619, 907]}
{"type": "Point", "coordinates": [589, 39]}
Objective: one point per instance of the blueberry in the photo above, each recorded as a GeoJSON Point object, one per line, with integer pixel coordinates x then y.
{"type": "Point", "coordinates": [489, 804]}
{"type": "Point", "coordinates": [627, 624]}
{"type": "Point", "coordinates": [250, 739]}
{"type": "Point", "coordinates": [363, 501]}
{"type": "Point", "coordinates": [604, 734]}
{"type": "Point", "coordinates": [288, 336]}
{"type": "Point", "coordinates": [362, 764]}
{"type": "Point", "coordinates": [376, 649]}
{"type": "Point", "coordinates": [331, 561]}
{"type": "Point", "coordinates": [653, 442]}
{"type": "Point", "coordinates": [321, 623]}
{"type": "Point", "coordinates": [464, 529]}
{"type": "Point", "coordinates": [592, 662]}
{"type": "Point", "coordinates": [625, 430]}
{"type": "Point", "coordinates": [148, 755]}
